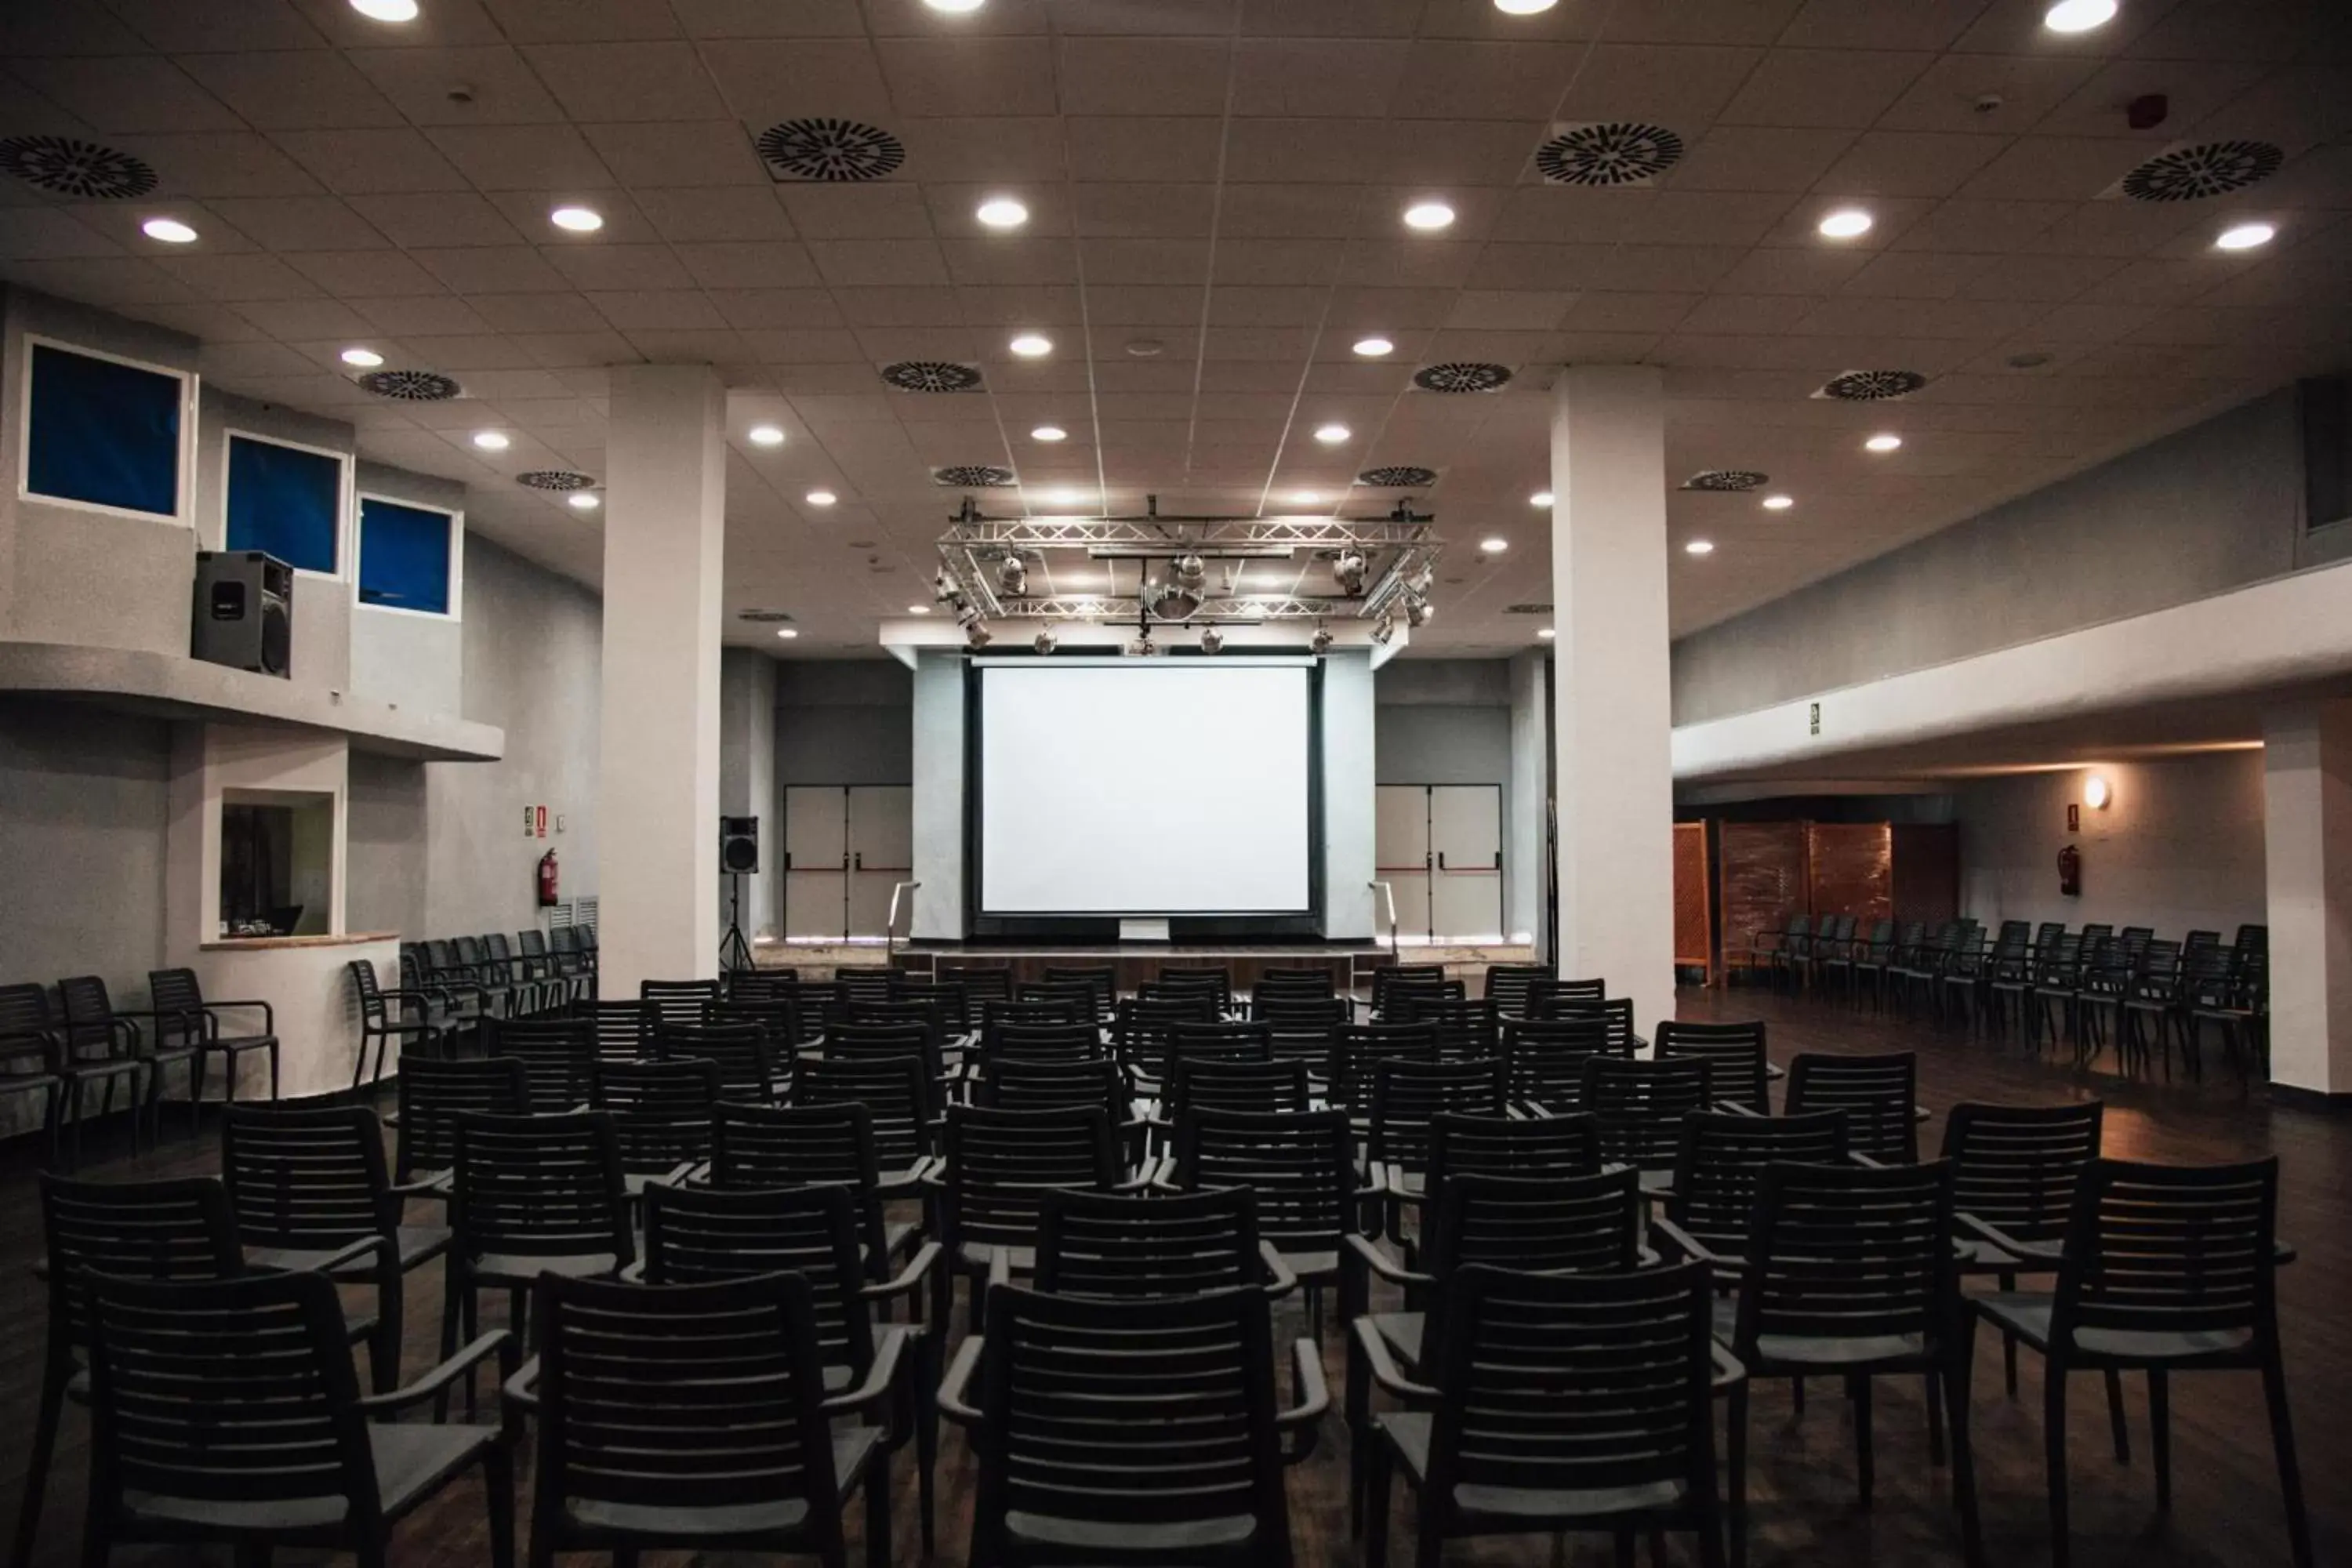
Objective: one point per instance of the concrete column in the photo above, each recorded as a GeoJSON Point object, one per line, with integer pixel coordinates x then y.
{"type": "Point", "coordinates": [1523, 833]}
{"type": "Point", "coordinates": [747, 782]}
{"type": "Point", "coordinates": [1614, 786]}
{"type": "Point", "coordinates": [937, 797]}
{"type": "Point", "coordinates": [657, 786]}
{"type": "Point", "coordinates": [2307, 844]}
{"type": "Point", "coordinates": [1350, 721]}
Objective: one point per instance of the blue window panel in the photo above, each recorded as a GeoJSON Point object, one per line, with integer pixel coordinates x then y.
{"type": "Point", "coordinates": [404, 557]}
{"type": "Point", "coordinates": [285, 502]}
{"type": "Point", "coordinates": [104, 433]}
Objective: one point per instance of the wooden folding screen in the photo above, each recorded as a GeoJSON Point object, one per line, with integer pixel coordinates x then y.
{"type": "Point", "coordinates": [1851, 871]}
{"type": "Point", "coordinates": [1693, 922]}
{"type": "Point", "coordinates": [1762, 868]}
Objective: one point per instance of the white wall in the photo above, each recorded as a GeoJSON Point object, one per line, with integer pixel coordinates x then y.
{"type": "Point", "coordinates": [2180, 844]}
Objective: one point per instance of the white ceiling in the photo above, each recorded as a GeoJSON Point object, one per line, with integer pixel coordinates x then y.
{"type": "Point", "coordinates": [1225, 177]}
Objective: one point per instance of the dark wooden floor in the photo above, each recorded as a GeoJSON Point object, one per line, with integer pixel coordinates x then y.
{"type": "Point", "coordinates": [2226, 1508]}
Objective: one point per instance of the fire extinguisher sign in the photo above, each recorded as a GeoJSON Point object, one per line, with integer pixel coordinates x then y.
{"type": "Point", "coordinates": [540, 814]}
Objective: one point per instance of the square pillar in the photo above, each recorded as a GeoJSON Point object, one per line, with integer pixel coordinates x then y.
{"type": "Point", "coordinates": [1613, 790]}
{"type": "Point", "coordinates": [657, 782]}
{"type": "Point", "coordinates": [2307, 846]}
{"type": "Point", "coordinates": [1525, 869]}
{"type": "Point", "coordinates": [938, 796]}
{"type": "Point", "coordinates": [1350, 913]}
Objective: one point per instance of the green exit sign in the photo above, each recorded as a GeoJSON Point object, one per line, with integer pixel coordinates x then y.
{"type": "Point", "coordinates": [1816, 718]}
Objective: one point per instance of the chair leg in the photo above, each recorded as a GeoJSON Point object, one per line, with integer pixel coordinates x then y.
{"type": "Point", "coordinates": [196, 1065]}
{"type": "Point", "coordinates": [1864, 1461]}
{"type": "Point", "coordinates": [2159, 1435]}
{"type": "Point", "coordinates": [1735, 1444]}
{"type": "Point", "coordinates": [877, 1510]}
{"type": "Point", "coordinates": [56, 1374]}
{"type": "Point", "coordinates": [1358, 1417]}
{"type": "Point", "coordinates": [1964, 1465]}
{"type": "Point", "coordinates": [2115, 1381]}
{"type": "Point", "coordinates": [2008, 1341]}
{"type": "Point", "coordinates": [1376, 1505]}
{"type": "Point", "coordinates": [498, 1487]}
{"type": "Point", "coordinates": [926, 1431]}
{"type": "Point", "coordinates": [1935, 1393]}
{"type": "Point", "coordinates": [2054, 1438]}
{"type": "Point", "coordinates": [2298, 1524]}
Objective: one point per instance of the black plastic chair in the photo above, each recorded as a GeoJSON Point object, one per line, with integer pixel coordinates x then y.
{"type": "Point", "coordinates": [390, 1019]}
{"type": "Point", "coordinates": [555, 1051]}
{"type": "Point", "coordinates": [1099, 981]}
{"type": "Point", "coordinates": [1848, 1272]}
{"type": "Point", "coordinates": [675, 1001]}
{"type": "Point", "coordinates": [1879, 1095]}
{"type": "Point", "coordinates": [1261, 1087]}
{"type": "Point", "coordinates": [1617, 1011]}
{"type": "Point", "coordinates": [1557, 1401]}
{"type": "Point", "coordinates": [1131, 1431]}
{"type": "Point", "coordinates": [664, 1115]}
{"type": "Point", "coordinates": [1546, 997]}
{"type": "Point", "coordinates": [91, 1022]}
{"type": "Point", "coordinates": [1064, 1042]}
{"type": "Point", "coordinates": [1505, 986]}
{"type": "Point", "coordinates": [1638, 1106]}
{"type": "Point", "coordinates": [697, 1416]}
{"type": "Point", "coordinates": [756, 1146]}
{"type": "Point", "coordinates": [2164, 1269]}
{"type": "Point", "coordinates": [701, 1235]}
{"type": "Point", "coordinates": [1217, 981]}
{"type": "Point", "coordinates": [228, 1412]}
{"type": "Point", "coordinates": [1406, 1097]}
{"type": "Point", "coordinates": [433, 1094]}
{"type": "Point", "coordinates": [2015, 1168]}
{"type": "Point", "coordinates": [1357, 1049]}
{"type": "Point", "coordinates": [531, 1195]}
{"type": "Point", "coordinates": [1302, 1168]}
{"type": "Point", "coordinates": [999, 1166]}
{"type": "Point", "coordinates": [1392, 981]}
{"type": "Point", "coordinates": [1738, 1072]}
{"type": "Point", "coordinates": [29, 1065]}
{"type": "Point", "coordinates": [749, 1070]}
{"type": "Point", "coordinates": [28, 1020]}
{"type": "Point", "coordinates": [1136, 1247]}
{"type": "Point", "coordinates": [181, 1011]}
{"type": "Point", "coordinates": [1465, 1030]}
{"type": "Point", "coordinates": [903, 1102]}
{"type": "Point", "coordinates": [1546, 1060]}
{"type": "Point", "coordinates": [305, 1185]}
{"type": "Point", "coordinates": [1719, 1170]}
{"type": "Point", "coordinates": [620, 1028]}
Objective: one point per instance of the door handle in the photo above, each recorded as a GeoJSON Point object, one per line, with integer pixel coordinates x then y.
{"type": "Point", "coordinates": [857, 861]}
{"type": "Point", "coordinates": [1441, 859]}
{"type": "Point", "coordinates": [1498, 859]}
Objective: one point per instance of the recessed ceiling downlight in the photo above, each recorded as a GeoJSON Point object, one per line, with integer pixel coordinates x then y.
{"type": "Point", "coordinates": [386, 10]}
{"type": "Point", "coordinates": [1524, 8]}
{"type": "Point", "coordinates": [1699, 547]}
{"type": "Point", "coordinates": [170, 230]}
{"type": "Point", "coordinates": [1049, 432]}
{"type": "Point", "coordinates": [1541, 498]}
{"type": "Point", "coordinates": [2245, 237]}
{"type": "Point", "coordinates": [1429, 216]}
{"type": "Point", "coordinates": [71, 167]}
{"type": "Point", "coordinates": [577, 220]}
{"type": "Point", "coordinates": [1846, 223]}
{"type": "Point", "coordinates": [1031, 345]}
{"type": "Point", "coordinates": [1002, 212]}
{"type": "Point", "coordinates": [1779, 503]}
{"type": "Point", "coordinates": [1331, 434]}
{"type": "Point", "coordinates": [2079, 16]}
{"type": "Point", "coordinates": [764, 436]}
{"type": "Point", "coordinates": [1374, 348]}
{"type": "Point", "coordinates": [360, 359]}
{"type": "Point", "coordinates": [492, 440]}
{"type": "Point", "coordinates": [584, 500]}
{"type": "Point", "coordinates": [821, 498]}
{"type": "Point", "coordinates": [1885, 442]}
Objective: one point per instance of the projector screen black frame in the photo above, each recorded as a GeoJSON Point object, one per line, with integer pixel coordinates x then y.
{"type": "Point", "coordinates": [1240, 926]}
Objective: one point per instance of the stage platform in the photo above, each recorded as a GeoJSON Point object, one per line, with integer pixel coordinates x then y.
{"type": "Point", "coordinates": [1350, 964]}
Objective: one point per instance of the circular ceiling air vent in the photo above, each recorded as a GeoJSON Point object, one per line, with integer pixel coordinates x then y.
{"type": "Point", "coordinates": [931, 375]}
{"type": "Point", "coordinates": [2208, 169]}
{"type": "Point", "coordinates": [556, 479]}
{"type": "Point", "coordinates": [1397, 478]}
{"type": "Point", "coordinates": [1462, 376]}
{"type": "Point", "coordinates": [830, 150]}
{"type": "Point", "coordinates": [1873, 386]}
{"type": "Point", "coordinates": [76, 168]}
{"type": "Point", "coordinates": [973, 475]}
{"type": "Point", "coordinates": [1733, 479]}
{"type": "Point", "coordinates": [410, 385]}
{"type": "Point", "coordinates": [764, 617]}
{"type": "Point", "coordinates": [1615, 152]}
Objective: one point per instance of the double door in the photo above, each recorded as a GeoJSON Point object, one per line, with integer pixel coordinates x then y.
{"type": "Point", "coordinates": [845, 846]}
{"type": "Point", "coordinates": [1440, 849]}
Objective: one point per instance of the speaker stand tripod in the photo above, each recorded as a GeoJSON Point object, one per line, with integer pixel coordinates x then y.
{"type": "Point", "coordinates": [734, 952]}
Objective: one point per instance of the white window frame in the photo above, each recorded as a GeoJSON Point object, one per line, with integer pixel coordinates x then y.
{"type": "Point", "coordinates": [184, 485]}
{"type": "Point", "coordinates": [456, 516]}
{"type": "Point", "coordinates": [346, 501]}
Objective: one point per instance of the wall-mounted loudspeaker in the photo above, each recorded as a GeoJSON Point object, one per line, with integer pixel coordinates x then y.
{"type": "Point", "coordinates": [739, 846]}
{"type": "Point", "coordinates": [244, 611]}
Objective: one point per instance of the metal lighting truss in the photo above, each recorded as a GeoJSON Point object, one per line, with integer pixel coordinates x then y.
{"type": "Point", "coordinates": [1399, 548]}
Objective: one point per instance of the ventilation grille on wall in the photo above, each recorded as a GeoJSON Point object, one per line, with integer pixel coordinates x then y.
{"type": "Point", "coordinates": [1873, 385]}
{"type": "Point", "coordinates": [555, 479]}
{"type": "Point", "coordinates": [76, 168]}
{"type": "Point", "coordinates": [1397, 478]}
{"type": "Point", "coordinates": [931, 375]}
{"type": "Point", "coordinates": [410, 385]}
{"type": "Point", "coordinates": [830, 150]}
{"type": "Point", "coordinates": [1462, 376]}
{"type": "Point", "coordinates": [973, 475]}
{"type": "Point", "coordinates": [1610, 153]}
{"type": "Point", "coordinates": [1733, 479]}
{"type": "Point", "coordinates": [2206, 169]}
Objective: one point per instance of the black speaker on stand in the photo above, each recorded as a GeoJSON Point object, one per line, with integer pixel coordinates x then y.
{"type": "Point", "coordinates": [739, 856]}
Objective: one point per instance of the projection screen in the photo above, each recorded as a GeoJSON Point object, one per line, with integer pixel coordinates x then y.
{"type": "Point", "coordinates": [1124, 788]}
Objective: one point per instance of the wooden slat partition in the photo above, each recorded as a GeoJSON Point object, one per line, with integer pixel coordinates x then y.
{"type": "Point", "coordinates": [1763, 880]}
{"type": "Point", "coordinates": [1694, 910]}
{"type": "Point", "coordinates": [1853, 870]}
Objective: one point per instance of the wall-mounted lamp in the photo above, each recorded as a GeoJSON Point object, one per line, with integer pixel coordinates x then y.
{"type": "Point", "coordinates": [2095, 792]}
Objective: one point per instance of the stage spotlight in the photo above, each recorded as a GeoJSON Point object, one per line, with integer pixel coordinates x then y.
{"type": "Point", "coordinates": [1384, 631]}
{"type": "Point", "coordinates": [1348, 568]}
{"type": "Point", "coordinates": [1190, 571]}
{"type": "Point", "coordinates": [976, 633]}
{"type": "Point", "coordinates": [1046, 642]}
{"type": "Point", "coordinates": [1211, 639]}
{"type": "Point", "coordinates": [1013, 576]}
{"type": "Point", "coordinates": [1321, 641]}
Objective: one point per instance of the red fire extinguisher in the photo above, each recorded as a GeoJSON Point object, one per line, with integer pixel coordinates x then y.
{"type": "Point", "coordinates": [2070, 872]}
{"type": "Point", "coordinates": [547, 879]}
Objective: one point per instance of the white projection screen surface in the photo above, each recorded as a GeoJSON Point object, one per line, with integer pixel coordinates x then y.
{"type": "Point", "coordinates": [1144, 789]}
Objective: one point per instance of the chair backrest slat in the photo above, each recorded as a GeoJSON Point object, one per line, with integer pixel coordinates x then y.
{"type": "Point", "coordinates": [1121, 1245]}
{"type": "Point", "coordinates": [2016, 1166]}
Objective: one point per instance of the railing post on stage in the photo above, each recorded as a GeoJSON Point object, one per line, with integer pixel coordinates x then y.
{"type": "Point", "coordinates": [890, 925]}
{"type": "Point", "coordinates": [1388, 897]}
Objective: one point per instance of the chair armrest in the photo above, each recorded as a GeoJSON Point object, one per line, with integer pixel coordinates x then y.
{"type": "Point", "coordinates": [268, 1014]}
{"type": "Point", "coordinates": [999, 1268]}
{"type": "Point", "coordinates": [1691, 1246]}
{"type": "Point", "coordinates": [1382, 1264]}
{"type": "Point", "coordinates": [496, 1341]}
{"type": "Point", "coordinates": [1728, 1371]}
{"type": "Point", "coordinates": [908, 1279]}
{"type": "Point", "coordinates": [952, 1404]}
{"type": "Point", "coordinates": [2283, 1252]}
{"type": "Point", "coordinates": [1385, 1370]}
{"type": "Point", "coordinates": [431, 1188]}
{"type": "Point", "coordinates": [1314, 1395]}
{"type": "Point", "coordinates": [1735, 1107]}
{"type": "Point", "coordinates": [1774, 1072]}
{"type": "Point", "coordinates": [2048, 1252]}
{"type": "Point", "coordinates": [879, 1377]}
{"type": "Point", "coordinates": [1279, 1280]}
{"type": "Point", "coordinates": [1143, 1178]}
{"type": "Point", "coordinates": [1866, 1162]}
{"type": "Point", "coordinates": [521, 1389]}
{"type": "Point", "coordinates": [343, 1256]}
